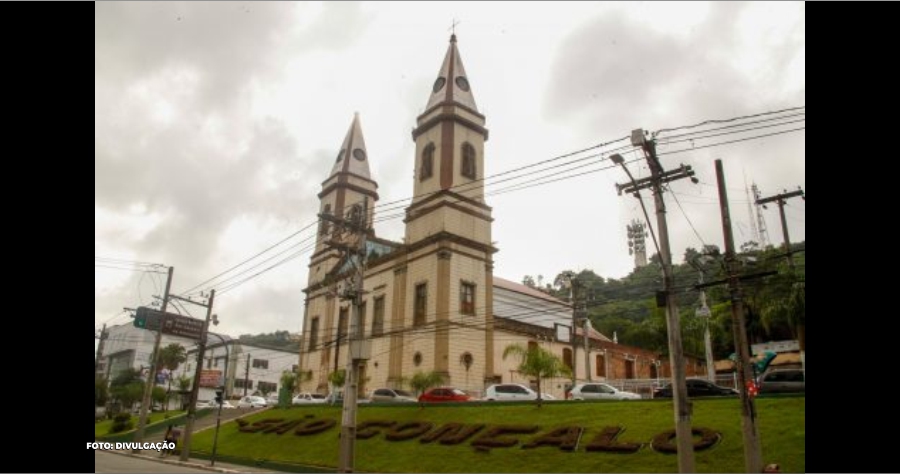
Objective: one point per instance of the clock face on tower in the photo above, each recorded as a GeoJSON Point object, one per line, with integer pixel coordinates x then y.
{"type": "Point", "coordinates": [462, 83]}
{"type": "Point", "coordinates": [359, 154]}
{"type": "Point", "coordinates": [340, 156]}
{"type": "Point", "coordinates": [439, 84]}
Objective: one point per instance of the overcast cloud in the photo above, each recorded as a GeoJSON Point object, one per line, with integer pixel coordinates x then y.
{"type": "Point", "coordinates": [215, 124]}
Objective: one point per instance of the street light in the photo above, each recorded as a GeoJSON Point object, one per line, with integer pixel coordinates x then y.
{"type": "Point", "coordinates": [212, 461]}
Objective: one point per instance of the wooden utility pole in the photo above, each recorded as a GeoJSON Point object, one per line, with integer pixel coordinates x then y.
{"type": "Point", "coordinates": [359, 349]}
{"type": "Point", "coordinates": [780, 198]}
{"type": "Point", "coordinates": [247, 374]}
{"type": "Point", "coordinates": [151, 377]}
{"type": "Point", "coordinates": [752, 447]}
{"type": "Point", "coordinates": [682, 407]}
{"type": "Point", "coordinates": [192, 408]}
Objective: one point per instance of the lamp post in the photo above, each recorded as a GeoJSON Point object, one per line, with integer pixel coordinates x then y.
{"type": "Point", "coordinates": [212, 461]}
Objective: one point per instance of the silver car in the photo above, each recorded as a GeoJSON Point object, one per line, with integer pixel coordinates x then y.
{"type": "Point", "coordinates": [392, 395]}
{"type": "Point", "coordinates": [600, 391]}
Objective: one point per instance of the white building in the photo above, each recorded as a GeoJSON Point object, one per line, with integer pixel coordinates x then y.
{"type": "Point", "coordinates": [251, 370]}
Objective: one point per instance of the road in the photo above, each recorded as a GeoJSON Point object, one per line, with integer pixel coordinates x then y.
{"type": "Point", "coordinates": [112, 462]}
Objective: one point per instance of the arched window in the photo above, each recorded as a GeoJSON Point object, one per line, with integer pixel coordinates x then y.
{"type": "Point", "coordinates": [426, 168]}
{"type": "Point", "coordinates": [468, 161]}
{"type": "Point", "coordinates": [323, 224]}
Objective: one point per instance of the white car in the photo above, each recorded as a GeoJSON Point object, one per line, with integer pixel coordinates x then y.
{"type": "Point", "coordinates": [600, 391]}
{"type": "Point", "coordinates": [509, 392]}
{"type": "Point", "coordinates": [252, 401]}
{"type": "Point", "coordinates": [306, 398]}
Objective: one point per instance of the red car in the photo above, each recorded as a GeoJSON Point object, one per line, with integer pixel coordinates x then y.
{"type": "Point", "coordinates": [444, 394]}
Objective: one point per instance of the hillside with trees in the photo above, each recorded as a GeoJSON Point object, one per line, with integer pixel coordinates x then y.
{"type": "Point", "coordinates": [626, 307]}
{"type": "Point", "coordinates": [275, 340]}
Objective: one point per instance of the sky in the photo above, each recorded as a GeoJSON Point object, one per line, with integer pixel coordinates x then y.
{"type": "Point", "coordinates": [216, 123]}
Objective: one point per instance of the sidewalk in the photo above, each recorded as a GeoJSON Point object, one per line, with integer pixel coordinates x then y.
{"type": "Point", "coordinates": [174, 460]}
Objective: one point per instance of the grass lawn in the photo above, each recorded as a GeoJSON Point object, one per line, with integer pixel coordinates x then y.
{"type": "Point", "coordinates": [781, 423]}
{"type": "Point", "coordinates": [102, 428]}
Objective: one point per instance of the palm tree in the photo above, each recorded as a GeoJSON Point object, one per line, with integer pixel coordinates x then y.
{"type": "Point", "coordinates": [539, 363]}
{"type": "Point", "coordinates": [422, 381]}
{"type": "Point", "coordinates": [170, 357]}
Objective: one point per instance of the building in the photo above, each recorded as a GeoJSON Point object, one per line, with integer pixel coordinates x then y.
{"type": "Point", "coordinates": [251, 369]}
{"type": "Point", "coordinates": [432, 302]}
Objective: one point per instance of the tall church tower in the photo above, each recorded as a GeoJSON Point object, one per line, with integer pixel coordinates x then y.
{"type": "Point", "coordinates": [448, 230]}
{"type": "Point", "coordinates": [346, 187]}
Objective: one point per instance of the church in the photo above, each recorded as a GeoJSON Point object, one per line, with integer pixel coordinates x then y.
{"type": "Point", "coordinates": [432, 301]}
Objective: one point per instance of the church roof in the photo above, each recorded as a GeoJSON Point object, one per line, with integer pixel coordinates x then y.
{"type": "Point", "coordinates": [452, 84]}
{"type": "Point", "coordinates": [353, 157]}
{"type": "Point", "coordinates": [526, 290]}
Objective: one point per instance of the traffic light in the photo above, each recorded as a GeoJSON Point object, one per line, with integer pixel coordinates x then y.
{"type": "Point", "coordinates": [140, 317]}
{"type": "Point", "coordinates": [219, 397]}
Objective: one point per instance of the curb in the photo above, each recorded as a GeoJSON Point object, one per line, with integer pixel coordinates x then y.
{"type": "Point", "coordinates": [175, 462]}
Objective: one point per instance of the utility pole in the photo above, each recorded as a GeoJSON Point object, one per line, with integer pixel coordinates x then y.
{"type": "Point", "coordinates": [247, 374]}
{"type": "Point", "coordinates": [360, 349]}
{"type": "Point", "coordinates": [682, 407]}
{"type": "Point", "coordinates": [780, 198]}
{"type": "Point", "coordinates": [151, 377]}
{"type": "Point", "coordinates": [704, 312]}
{"type": "Point", "coordinates": [571, 281]}
{"type": "Point", "coordinates": [192, 408]}
{"type": "Point", "coordinates": [752, 447]}
{"type": "Point", "coordinates": [587, 353]}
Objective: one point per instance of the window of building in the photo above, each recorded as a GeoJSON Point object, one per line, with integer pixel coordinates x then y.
{"type": "Point", "coordinates": [600, 364]}
{"type": "Point", "coordinates": [629, 369]}
{"type": "Point", "coordinates": [260, 364]}
{"type": "Point", "coordinates": [243, 383]}
{"type": "Point", "coordinates": [468, 161]}
{"type": "Point", "coordinates": [378, 316]}
{"type": "Point", "coordinates": [363, 309]}
{"type": "Point", "coordinates": [427, 166]}
{"type": "Point", "coordinates": [295, 368]}
{"type": "Point", "coordinates": [343, 321]}
{"type": "Point", "coordinates": [467, 298]}
{"type": "Point", "coordinates": [567, 358]}
{"type": "Point", "coordinates": [421, 304]}
{"type": "Point", "coordinates": [267, 387]}
{"type": "Point", "coordinates": [313, 333]}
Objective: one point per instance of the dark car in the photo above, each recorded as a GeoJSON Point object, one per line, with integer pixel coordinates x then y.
{"type": "Point", "coordinates": [782, 381]}
{"type": "Point", "coordinates": [444, 394]}
{"type": "Point", "coordinates": [697, 388]}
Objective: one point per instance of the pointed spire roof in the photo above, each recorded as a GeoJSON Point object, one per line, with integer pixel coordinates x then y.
{"type": "Point", "coordinates": [452, 84]}
{"type": "Point", "coordinates": [353, 157]}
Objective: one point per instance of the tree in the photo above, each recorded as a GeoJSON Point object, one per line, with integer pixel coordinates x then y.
{"type": "Point", "coordinates": [170, 358]}
{"type": "Point", "coordinates": [101, 392]}
{"type": "Point", "coordinates": [422, 381]}
{"type": "Point", "coordinates": [539, 363]}
{"type": "Point", "coordinates": [338, 378]}
{"type": "Point", "coordinates": [184, 389]}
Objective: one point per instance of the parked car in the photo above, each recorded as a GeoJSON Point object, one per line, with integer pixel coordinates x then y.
{"type": "Point", "coordinates": [600, 391]}
{"type": "Point", "coordinates": [252, 401]}
{"type": "Point", "coordinates": [444, 394]}
{"type": "Point", "coordinates": [509, 392]}
{"type": "Point", "coordinates": [306, 398]}
{"type": "Point", "coordinates": [272, 400]}
{"type": "Point", "coordinates": [782, 381]}
{"type": "Point", "coordinates": [392, 395]}
{"type": "Point", "coordinates": [697, 388]}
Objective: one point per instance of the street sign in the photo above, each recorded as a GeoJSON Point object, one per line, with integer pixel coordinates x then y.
{"type": "Point", "coordinates": [178, 325]}
{"type": "Point", "coordinates": [172, 324]}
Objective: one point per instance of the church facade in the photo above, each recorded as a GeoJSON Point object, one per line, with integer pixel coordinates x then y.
{"type": "Point", "coordinates": [432, 302]}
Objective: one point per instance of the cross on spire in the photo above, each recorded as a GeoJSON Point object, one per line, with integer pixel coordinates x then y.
{"type": "Point", "coordinates": [453, 26]}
